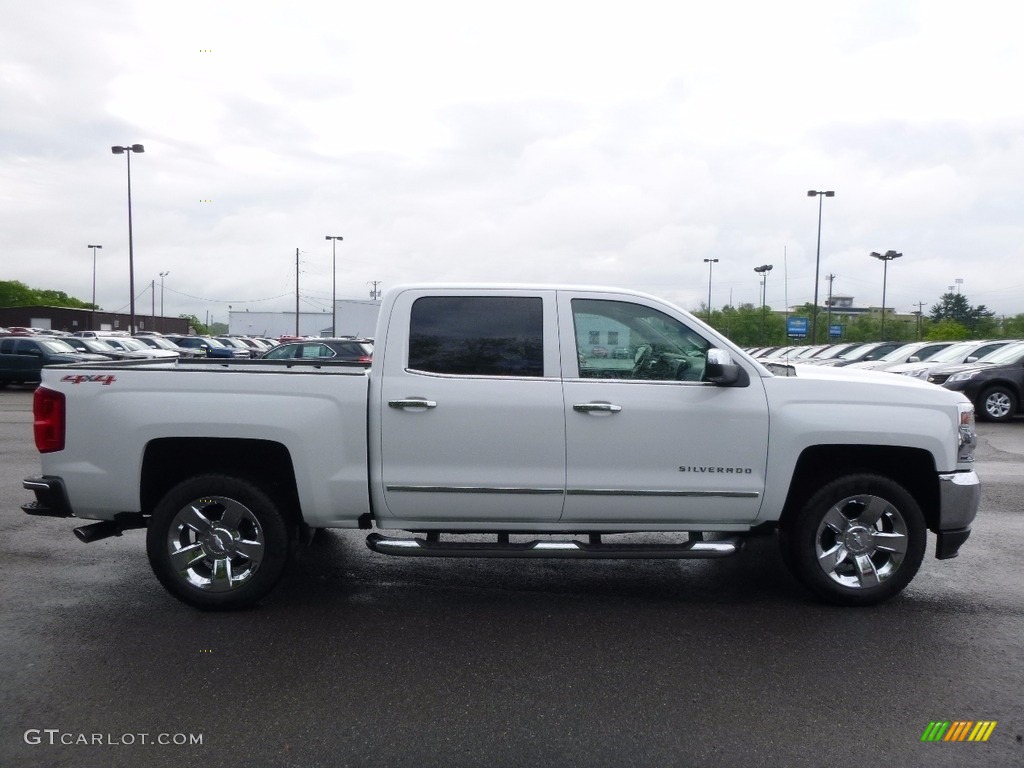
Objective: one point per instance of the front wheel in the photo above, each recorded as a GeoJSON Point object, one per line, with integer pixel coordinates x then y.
{"type": "Point", "coordinates": [858, 541]}
{"type": "Point", "coordinates": [998, 404]}
{"type": "Point", "coordinates": [218, 542]}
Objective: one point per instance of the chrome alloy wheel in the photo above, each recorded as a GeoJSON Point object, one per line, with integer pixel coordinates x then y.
{"type": "Point", "coordinates": [861, 541]}
{"type": "Point", "coordinates": [215, 543]}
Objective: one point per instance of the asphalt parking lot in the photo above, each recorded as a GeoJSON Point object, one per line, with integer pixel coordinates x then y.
{"type": "Point", "coordinates": [363, 660]}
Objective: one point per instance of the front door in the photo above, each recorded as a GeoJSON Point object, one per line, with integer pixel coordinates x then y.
{"type": "Point", "coordinates": [647, 439]}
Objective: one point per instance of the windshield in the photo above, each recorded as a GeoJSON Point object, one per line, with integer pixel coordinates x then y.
{"type": "Point", "coordinates": [1008, 354]}
{"type": "Point", "coordinates": [55, 345]}
{"type": "Point", "coordinates": [953, 353]}
{"type": "Point", "coordinates": [836, 351]}
{"type": "Point", "coordinates": [859, 352]}
{"type": "Point", "coordinates": [900, 353]}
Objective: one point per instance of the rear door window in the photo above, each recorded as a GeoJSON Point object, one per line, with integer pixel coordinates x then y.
{"type": "Point", "coordinates": [477, 335]}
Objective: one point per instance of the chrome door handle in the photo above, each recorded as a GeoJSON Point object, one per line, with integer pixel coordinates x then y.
{"type": "Point", "coordinates": [412, 403]}
{"type": "Point", "coordinates": [591, 407]}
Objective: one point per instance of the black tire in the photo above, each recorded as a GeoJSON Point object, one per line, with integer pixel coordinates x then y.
{"type": "Point", "coordinates": [997, 403]}
{"type": "Point", "coordinates": [859, 540]}
{"type": "Point", "coordinates": [218, 542]}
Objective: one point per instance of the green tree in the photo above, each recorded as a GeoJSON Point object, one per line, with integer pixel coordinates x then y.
{"type": "Point", "coordinates": [746, 325]}
{"type": "Point", "coordinates": [1013, 327]}
{"type": "Point", "coordinates": [194, 324]}
{"type": "Point", "coordinates": [16, 294]}
{"type": "Point", "coordinates": [947, 330]}
{"type": "Point", "coordinates": [979, 320]}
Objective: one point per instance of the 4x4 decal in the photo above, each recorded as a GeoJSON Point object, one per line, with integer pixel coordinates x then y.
{"type": "Point", "coordinates": [96, 378]}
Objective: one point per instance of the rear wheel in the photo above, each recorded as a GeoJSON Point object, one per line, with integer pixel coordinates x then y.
{"type": "Point", "coordinates": [858, 541]}
{"type": "Point", "coordinates": [218, 542]}
{"type": "Point", "coordinates": [998, 404]}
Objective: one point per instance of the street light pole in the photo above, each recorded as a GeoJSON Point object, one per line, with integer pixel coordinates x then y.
{"type": "Point", "coordinates": [334, 282]}
{"type": "Point", "coordinates": [162, 276]}
{"type": "Point", "coordinates": [127, 151]}
{"type": "Point", "coordinates": [885, 258]}
{"type": "Point", "coordinates": [817, 262]}
{"type": "Point", "coordinates": [763, 270]}
{"type": "Point", "coordinates": [92, 319]}
{"type": "Point", "coordinates": [711, 265]}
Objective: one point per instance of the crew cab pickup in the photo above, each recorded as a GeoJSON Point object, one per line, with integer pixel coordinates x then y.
{"type": "Point", "coordinates": [485, 411]}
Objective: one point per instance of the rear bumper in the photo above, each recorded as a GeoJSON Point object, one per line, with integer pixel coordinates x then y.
{"type": "Point", "coordinates": [51, 497]}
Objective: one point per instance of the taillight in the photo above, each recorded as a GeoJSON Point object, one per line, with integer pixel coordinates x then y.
{"type": "Point", "coordinates": [364, 359]}
{"type": "Point", "coordinates": [48, 423]}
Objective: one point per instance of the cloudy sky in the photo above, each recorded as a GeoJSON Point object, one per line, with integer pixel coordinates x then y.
{"type": "Point", "coordinates": [613, 143]}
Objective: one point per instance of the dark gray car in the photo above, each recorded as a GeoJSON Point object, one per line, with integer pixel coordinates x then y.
{"type": "Point", "coordinates": [22, 357]}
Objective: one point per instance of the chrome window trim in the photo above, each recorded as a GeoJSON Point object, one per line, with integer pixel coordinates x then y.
{"type": "Point", "coordinates": [479, 377]}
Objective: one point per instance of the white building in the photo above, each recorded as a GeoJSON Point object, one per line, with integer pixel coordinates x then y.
{"type": "Point", "coordinates": [355, 317]}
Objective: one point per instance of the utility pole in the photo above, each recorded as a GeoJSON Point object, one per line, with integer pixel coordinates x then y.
{"type": "Point", "coordinates": [828, 321]}
{"type": "Point", "coordinates": [296, 291]}
{"type": "Point", "coordinates": [920, 318]}
{"type": "Point", "coordinates": [711, 264]}
{"type": "Point", "coordinates": [334, 282]}
{"type": "Point", "coordinates": [374, 292]}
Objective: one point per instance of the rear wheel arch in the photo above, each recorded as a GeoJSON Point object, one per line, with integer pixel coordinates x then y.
{"type": "Point", "coordinates": [264, 463]}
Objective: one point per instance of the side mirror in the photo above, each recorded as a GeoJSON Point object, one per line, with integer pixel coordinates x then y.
{"type": "Point", "coordinates": [971, 359]}
{"type": "Point", "coordinates": [914, 359]}
{"type": "Point", "coordinates": [721, 370]}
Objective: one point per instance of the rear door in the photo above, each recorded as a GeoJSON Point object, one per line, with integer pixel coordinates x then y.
{"type": "Point", "coordinates": [470, 409]}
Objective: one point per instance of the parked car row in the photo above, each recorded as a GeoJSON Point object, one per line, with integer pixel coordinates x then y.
{"type": "Point", "coordinates": [990, 371]}
{"type": "Point", "coordinates": [24, 353]}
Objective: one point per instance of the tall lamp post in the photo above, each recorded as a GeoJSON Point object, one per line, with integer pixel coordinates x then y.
{"type": "Point", "coordinates": [885, 258]}
{"type": "Point", "coordinates": [334, 282]}
{"type": "Point", "coordinates": [92, 321]}
{"type": "Point", "coordinates": [127, 152]}
{"type": "Point", "coordinates": [162, 276]}
{"type": "Point", "coordinates": [711, 265]}
{"type": "Point", "coordinates": [817, 262]}
{"type": "Point", "coordinates": [763, 271]}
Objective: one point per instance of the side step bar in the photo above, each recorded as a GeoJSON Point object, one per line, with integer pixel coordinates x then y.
{"type": "Point", "coordinates": [432, 546]}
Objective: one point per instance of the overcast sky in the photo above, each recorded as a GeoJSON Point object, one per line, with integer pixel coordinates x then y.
{"type": "Point", "coordinates": [612, 143]}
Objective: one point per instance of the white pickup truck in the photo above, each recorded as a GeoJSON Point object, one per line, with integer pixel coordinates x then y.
{"type": "Point", "coordinates": [504, 421]}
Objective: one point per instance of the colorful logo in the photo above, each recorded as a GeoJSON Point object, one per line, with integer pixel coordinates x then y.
{"type": "Point", "coordinates": [959, 730]}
